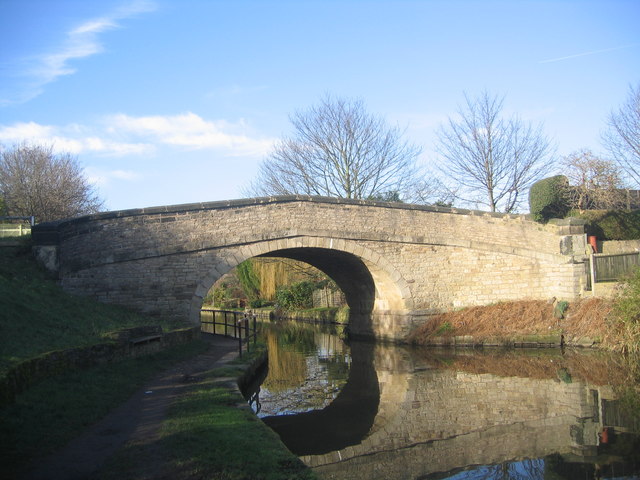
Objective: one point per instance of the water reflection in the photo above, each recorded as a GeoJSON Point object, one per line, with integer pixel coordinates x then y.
{"type": "Point", "coordinates": [376, 411]}
{"type": "Point", "coordinates": [307, 369]}
{"type": "Point", "coordinates": [339, 381]}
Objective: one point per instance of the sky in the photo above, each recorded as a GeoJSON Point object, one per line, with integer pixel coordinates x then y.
{"type": "Point", "coordinates": [178, 101]}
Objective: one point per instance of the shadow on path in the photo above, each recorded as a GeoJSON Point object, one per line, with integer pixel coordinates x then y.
{"type": "Point", "coordinates": [138, 419]}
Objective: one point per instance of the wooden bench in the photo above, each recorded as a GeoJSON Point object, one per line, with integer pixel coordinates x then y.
{"type": "Point", "coordinates": [138, 335]}
{"type": "Point", "coordinates": [153, 337]}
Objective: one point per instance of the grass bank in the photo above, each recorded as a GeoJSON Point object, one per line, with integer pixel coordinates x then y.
{"type": "Point", "coordinates": [54, 411]}
{"type": "Point", "coordinates": [580, 323]}
{"type": "Point", "coordinates": [210, 433]}
{"type": "Point", "coordinates": [37, 316]}
{"type": "Point", "coordinates": [205, 432]}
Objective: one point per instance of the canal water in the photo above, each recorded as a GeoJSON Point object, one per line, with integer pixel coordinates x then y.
{"type": "Point", "coordinates": [371, 411]}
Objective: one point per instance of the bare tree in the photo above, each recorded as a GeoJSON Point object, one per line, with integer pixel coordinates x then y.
{"type": "Point", "coordinates": [36, 181]}
{"type": "Point", "coordinates": [622, 138]}
{"type": "Point", "coordinates": [489, 160]}
{"type": "Point", "coordinates": [340, 150]}
{"type": "Point", "coordinates": [594, 183]}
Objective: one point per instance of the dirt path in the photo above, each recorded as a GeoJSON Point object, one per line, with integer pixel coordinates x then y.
{"type": "Point", "coordinates": [137, 420]}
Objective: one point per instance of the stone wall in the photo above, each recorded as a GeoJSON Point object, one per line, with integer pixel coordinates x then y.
{"type": "Point", "coordinates": [30, 371]}
{"type": "Point", "coordinates": [399, 262]}
{"type": "Point", "coordinates": [620, 246]}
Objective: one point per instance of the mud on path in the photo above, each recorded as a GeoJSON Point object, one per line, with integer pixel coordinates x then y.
{"type": "Point", "coordinates": [138, 420]}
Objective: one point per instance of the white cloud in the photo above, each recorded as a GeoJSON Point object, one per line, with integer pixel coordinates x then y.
{"type": "Point", "coordinates": [191, 131]}
{"type": "Point", "coordinates": [124, 135]}
{"type": "Point", "coordinates": [24, 131]}
{"type": "Point", "coordinates": [101, 177]}
{"type": "Point", "coordinates": [80, 42]}
{"type": "Point", "coordinates": [73, 139]}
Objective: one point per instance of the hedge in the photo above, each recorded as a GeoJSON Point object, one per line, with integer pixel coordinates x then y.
{"type": "Point", "coordinates": [547, 200]}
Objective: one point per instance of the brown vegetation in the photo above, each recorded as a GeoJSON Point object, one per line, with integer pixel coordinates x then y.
{"type": "Point", "coordinates": [588, 319]}
{"type": "Point", "coordinates": [584, 319]}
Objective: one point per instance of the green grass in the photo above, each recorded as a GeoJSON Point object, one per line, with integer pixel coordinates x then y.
{"type": "Point", "coordinates": [210, 433]}
{"type": "Point", "coordinates": [37, 316]}
{"type": "Point", "coordinates": [55, 410]}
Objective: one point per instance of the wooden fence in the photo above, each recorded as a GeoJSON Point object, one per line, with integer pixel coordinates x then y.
{"type": "Point", "coordinates": [12, 230]}
{"type": "Point", "coordinates": [16, 229]}
{"type": "Point", "coordinates": [611, 267]}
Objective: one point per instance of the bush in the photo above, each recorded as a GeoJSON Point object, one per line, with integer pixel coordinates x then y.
{"type": "Point", "coordinates": [612, 224]}
{"type": "Point", "coordinates": [547, 198]}
{"type": "Point", "coordinates": [296, 296]}
{"type": "Point", "coordinates": [259, 303]}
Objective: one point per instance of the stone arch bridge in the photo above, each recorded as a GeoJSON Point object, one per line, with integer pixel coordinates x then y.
{"type": "Point", "coordinates": [396, 263]}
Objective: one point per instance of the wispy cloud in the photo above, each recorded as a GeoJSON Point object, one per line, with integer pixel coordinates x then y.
{"type": "Point", "coordinates": [80, 42]}
{"type": "Point", "coordinates": [120, 135]}
{"type": "Point", "coordinates": [73, 139]}
{"type": "Point", "coordinates": [191, 131]}
{"type": "Point", "coordinates": [585, 54]}
{"type": "Point", "coordinates": [102, 177]}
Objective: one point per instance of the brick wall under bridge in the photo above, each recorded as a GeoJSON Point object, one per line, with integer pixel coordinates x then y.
{"type": "Point", "coordinates": [396, 263]}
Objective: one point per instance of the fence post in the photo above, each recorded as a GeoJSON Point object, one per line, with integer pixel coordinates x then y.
{"type": "Point", "coordinates": [238, 324]}
{"type": "Point", "coordinates": [255, 331]}
{"type": "Point", "coordinates": [592, 265]}
{"type": "Point", "coordinates": [246, 331]}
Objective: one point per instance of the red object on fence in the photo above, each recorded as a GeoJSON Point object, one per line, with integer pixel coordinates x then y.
{"type": "Point", "coordinates": [593, 241]}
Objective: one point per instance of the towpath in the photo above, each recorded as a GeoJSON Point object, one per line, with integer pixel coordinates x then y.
{"type": "Point", "coordinates": [138, 420]}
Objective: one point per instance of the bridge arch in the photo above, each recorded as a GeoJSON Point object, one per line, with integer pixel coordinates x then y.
{"type": "Point", "coordinates": [414, 260]}
{"type": "Point", "coordinates": [371, 284]}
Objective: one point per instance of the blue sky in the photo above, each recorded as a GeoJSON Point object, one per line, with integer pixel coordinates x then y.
{"type": "Point", "coordinates": [167, 101]}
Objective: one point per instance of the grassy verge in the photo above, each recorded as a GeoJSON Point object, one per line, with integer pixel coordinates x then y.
{"type": "Point", "coordinates": [206, 432]}
{"type": "Point", "coordinates": [210, 433]}
{"type": "Point", "coordinates": [582, 322]}
{"type": "Point", "coordinates": [54, 411]}
{"type": "Point", "coordinates": [37, 316]}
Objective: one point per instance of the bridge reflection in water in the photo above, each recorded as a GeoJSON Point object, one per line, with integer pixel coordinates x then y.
{"type": "Point", "coordinates": [369, 411]}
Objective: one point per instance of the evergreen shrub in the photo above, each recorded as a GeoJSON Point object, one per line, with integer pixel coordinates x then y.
{"type": "Point", "coordinates": [547, 198]}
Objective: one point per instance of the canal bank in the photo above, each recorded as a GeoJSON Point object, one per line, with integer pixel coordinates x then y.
{"type": "Point", "coordinates": [361, 410]}
{"type": "Point", "coordinates": [527, 323]}
{"type": "Point", "coordinates": [217, 386]}
{"type": "Point", "coordinates": [191, 419]}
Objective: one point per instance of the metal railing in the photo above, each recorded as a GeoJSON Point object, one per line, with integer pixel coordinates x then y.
{"type": "Point", "coordinates": [230, 323]}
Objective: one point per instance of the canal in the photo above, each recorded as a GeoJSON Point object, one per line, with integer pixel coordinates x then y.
{"type": "Point", "coordinates": [371, 411]}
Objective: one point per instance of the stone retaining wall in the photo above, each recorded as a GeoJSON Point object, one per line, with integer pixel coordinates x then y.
{"type": "Point", "coordinates": [28, 372]}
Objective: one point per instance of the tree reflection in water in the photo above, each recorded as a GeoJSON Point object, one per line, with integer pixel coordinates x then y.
{"type": "Point", "coordinates": [307, 369]}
